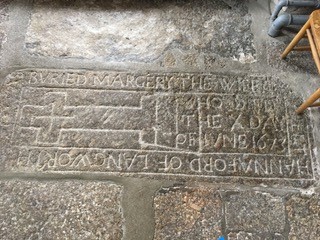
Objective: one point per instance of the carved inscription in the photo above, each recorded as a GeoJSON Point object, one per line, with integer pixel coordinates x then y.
{"type": "Point", "coordinates": [164, 162]}
{"type": "Point", "coordinates": [182, 124]}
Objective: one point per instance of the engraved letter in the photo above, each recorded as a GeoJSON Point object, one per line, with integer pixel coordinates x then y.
{"type": "Point", "coordinates": [214, 121]}
{"type": "Point", "coordinates": [180, 140]}
{"type": "Point", "coordinates": [220, 165]}
{"type": "Point", "coordinates": [195, 165]}
{"type": "Point", "coordinates": [64, 160]}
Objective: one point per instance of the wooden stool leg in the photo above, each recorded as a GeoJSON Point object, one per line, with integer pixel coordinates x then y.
{"type": "Point", "coordinates": [314, 97]}
{"type": "Point", "coordinates": [314, 50]}
{"type": "Point", "coordinates": [317, 104]}
{"type": "Point", "coordinates": [296, 39]}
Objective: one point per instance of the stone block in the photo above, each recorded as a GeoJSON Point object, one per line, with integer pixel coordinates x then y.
{"type": "Point", "coordinates": [140, 31]}
{"type": "Point", "coordinates": [203, 125]}
{"type": "Point", "coordinates": [188, 213]}
{"type": "Point", "coordinates": [60, 210]}
{"type": "Point", "coordinates": [255, 212]}
{"type": "Point", "coordinates": [304, 216]}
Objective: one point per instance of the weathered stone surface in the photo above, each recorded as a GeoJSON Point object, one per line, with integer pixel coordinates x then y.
{"type": "Point", "coordinates": [304, 217]}
{"type": "Point", "coordinates": [188, 213]}
{"type": "Point", "coordinates": [9, 104]}
{"type": "Point", "coordinates": [203, 125]}
{"type": "Point", "coordinates": [60, 210]}
{"type": "Point", "coordinates": [254, 236]}
{"type": "Point", "coordinates": [4, 16]}
{"type": "Point", "coordinates": [299, 62]}
{"type": "Point", "coordinates": [140, 30]}
{"type": "Point", "coordinates": [255, 212]}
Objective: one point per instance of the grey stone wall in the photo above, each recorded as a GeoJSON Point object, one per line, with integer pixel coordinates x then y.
{"type": "Point", "coordinates": [154, 120]}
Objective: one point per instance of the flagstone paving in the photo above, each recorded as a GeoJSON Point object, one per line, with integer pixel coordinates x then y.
{"type": "Point", "coordinates": [154, 120]}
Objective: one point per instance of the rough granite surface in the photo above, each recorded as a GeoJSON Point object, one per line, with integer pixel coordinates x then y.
{"type": "Point", "coordinates": [304, 217]}
{"type": "Point", "coordinates": [188, 213]}
{"type": "Point", "coordinates": [154, 123]}
{"type": "Point", "coordinates": [254, 236]}
{"type": "Point", "coordinates": [249, 211]}
{"type": "Point", "coordinates": [60, 210]}
{"type": "Point", "coordinates": [140, 30]}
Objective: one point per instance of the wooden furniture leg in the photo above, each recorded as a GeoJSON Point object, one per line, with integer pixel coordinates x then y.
{"type": "Point", "coordinates": [317, 104]}
{"type": "Point", "coordinates": [296, 39]}
{"type": "Point", "coordinates": [314, 50]}
{"type": "Point", "coordinates": [302, 48]}
{"type": "Point", "coordinates": [314, 97]}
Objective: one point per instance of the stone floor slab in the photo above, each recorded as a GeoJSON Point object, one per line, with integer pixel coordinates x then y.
{"type": "Point", "coordinates": [304, 217]}
{"type": "Point", "coordinates": [188, 213]}
{"type": "Point", "coordinates": [198, 111]}
{"type": "Point", "coordinates": [255, 212]}
{"type": "Point", "coordinates": [140, 31]}
{"type": "Point", "coordinates": [60, 210]}
{"type": "Point", "coordinates": [155, 124]}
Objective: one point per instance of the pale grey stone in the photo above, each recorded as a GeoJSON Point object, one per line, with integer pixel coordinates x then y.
{"type": "Point", "coordinates": [60, 210]}
{"type": "Point", "coordinates": [139, 30]}
{"type": "Point", "coordinates": [188, 213]}
{"type": "Point", "coordinates": [304, 217]}
{"type": "Point", "coordinates": [255, 212]}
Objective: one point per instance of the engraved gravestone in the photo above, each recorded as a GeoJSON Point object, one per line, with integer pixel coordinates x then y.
{"type": "Point", "coordinates": [184, 125]}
